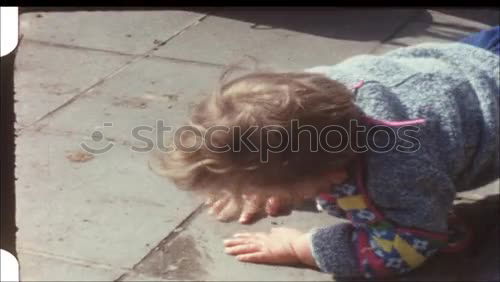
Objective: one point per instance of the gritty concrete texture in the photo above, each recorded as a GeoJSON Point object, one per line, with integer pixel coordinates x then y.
{"type": "Point", "coordinates": [104, 29]}
{"type": "Point", "coordinates": [50, 76]}
{"type": "Point", "coordinates": [49, 267]}
{"type": "Point", "coordinates": [110, 209]}
{"type": "Point", "coordinates": [155, 89]}
{"type": "Point", "coordinates": [106, 216]}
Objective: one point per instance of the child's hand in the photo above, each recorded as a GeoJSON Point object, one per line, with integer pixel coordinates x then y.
{"type": "Point", "coordinates": [250, 207]}
{"type": "Point", "coordinates": [275, 247]}
{"type": "Point", "coordinates": [275, 201]}
{"type": "Point", "coordinates": [224, 207]}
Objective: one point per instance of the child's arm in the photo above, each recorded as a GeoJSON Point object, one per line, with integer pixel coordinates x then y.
{"type": "Point", "coordinates": [341, 249]}
{"type": "Point", "coordinates": [346, 250]}
{"type": "Point", "coordinates": [372, 245]}
{"type": "Point", "coordinates": [379, 243]}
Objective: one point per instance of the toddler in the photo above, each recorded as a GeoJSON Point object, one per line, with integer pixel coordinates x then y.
{"type": "Point", "coordinates": [383, 141]}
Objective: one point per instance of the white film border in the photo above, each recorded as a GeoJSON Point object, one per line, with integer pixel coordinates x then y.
{"type": "Point", "coordinates": [9, 36]}
{"type": "Point", "coordinates": [9, 29]}
{"type": "Point", "coordinates": [9, 267]}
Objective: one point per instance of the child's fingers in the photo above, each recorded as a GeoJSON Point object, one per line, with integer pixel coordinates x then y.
{"type": "Point", "coordinates": [243, 235]}
{"type": "Point", "coordinates": [229, 211]}
{"type": "Point", "coordinates": [257, 257]}
{"type": "Point", "coordinates": [250, 235]}
{"type": "Point", "coordinates": [237, 241]}
{"type": "Point", "coordinates": [219, 205]}
{"type": "Point", "coordinates": [247, 216]}
{"type": "Point", "coordinates": [242, 249]}
{"type": "Point", "coordinates": [252, 204]}
{"type": "Point", "coordinates": [210, 200]}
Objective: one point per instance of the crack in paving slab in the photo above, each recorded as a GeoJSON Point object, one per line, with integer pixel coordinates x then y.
{"type": "Point", "coordinates": [172, 261]}
{"type": "Point", "coordinates": [151, 56]}
{"type": "Point", "coordinates": [177, 260]}
{"type": "Point", "coordinates": [66, 133]}
{"type": "Point", "coordinates": [72, 260]}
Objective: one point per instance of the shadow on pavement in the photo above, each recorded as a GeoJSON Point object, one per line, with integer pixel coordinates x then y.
{"type": "Point", "coordinates": [492, 18]}
{"type": "Point", "coordinates": [480, 261]}
{"type": "Point", "coordinates": [359, 24]}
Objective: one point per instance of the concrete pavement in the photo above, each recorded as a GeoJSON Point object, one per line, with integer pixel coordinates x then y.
{"type": "Point", "coordinates": [107, 216]}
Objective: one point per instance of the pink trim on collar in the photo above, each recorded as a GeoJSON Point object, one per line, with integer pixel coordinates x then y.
{"type": "Point", "coordinates": [359, 84]}
{"type": "Point", "coordinates": [394, 123]}
{"type": "Point", "coordinates": [374, 121]}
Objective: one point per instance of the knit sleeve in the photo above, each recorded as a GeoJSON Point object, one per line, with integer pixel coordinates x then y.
{"type": "Point", "coordinates": [374, 251]}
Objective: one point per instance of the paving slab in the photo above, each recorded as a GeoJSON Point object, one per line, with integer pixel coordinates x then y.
{"type": "Point", "coordinates": [197, 252]}
{"type": "Point", "coordinates": [286, 37]}
{"type": "Point", "coordinates": [46, 268]}
{"type": "Point", "coordinates": [147, 91]}
{"type": "Point", "coordinates": [109, 209]}
{"type": "Point", "coordinates": [46, 77]}
{"type": "Point", "coordinates": [119, 31]}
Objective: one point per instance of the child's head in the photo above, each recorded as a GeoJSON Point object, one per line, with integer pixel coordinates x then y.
{"type": "Point", "coordinates": [262, 130]}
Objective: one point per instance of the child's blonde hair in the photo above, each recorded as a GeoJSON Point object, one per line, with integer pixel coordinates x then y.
{"type": "Point", "coordinates": [263, 100]}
